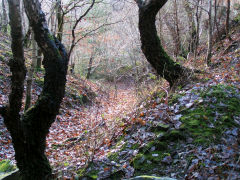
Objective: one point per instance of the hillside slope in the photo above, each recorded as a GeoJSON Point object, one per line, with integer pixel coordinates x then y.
{"type": "Point", "coordinates": [193, 133]}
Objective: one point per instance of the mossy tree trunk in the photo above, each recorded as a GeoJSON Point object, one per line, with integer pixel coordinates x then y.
{"type": "Point", "coordinates": [29, 131]}
{"type": "Point", "coordinates": [151, 45]}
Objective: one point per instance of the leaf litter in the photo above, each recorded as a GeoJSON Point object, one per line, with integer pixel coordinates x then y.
{"type": "Point", "coordinates": [87, 133]}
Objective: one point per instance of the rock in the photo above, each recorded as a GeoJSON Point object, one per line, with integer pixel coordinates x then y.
{"type": "Point", "coordinates": [151, 178]}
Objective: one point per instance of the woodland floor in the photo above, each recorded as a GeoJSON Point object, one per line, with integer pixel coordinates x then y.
{"type": "Point", "coordinates": [86, 133]}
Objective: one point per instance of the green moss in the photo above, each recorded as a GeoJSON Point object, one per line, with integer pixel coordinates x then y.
{"type": "Point", "coordinates": [40, 70]}
{"type": "Point", "coordinates": [174, 135]}
{"type": "Point", "coordinates": [237, 18]}
{"type": "Point", "coordinates": [1, 57]}
{"type": "Point", "coordinates": [194, 122]}
{"type": "Point", "coordinates": [147, 147]}
{"type": "Point", "coordinates": [6, 166]}
{"type": "Point", "coordinates": [8, 54]}
{"type": "Point", "coordinates": [91, 174]}
{"type": "Point", "coordinates": [124, 146]}
{"type": "Point", "coordinates": [113, 156]}
{"type": "Point", "coordinates": [117, 175]}
{"type": "Point", "coordinates": [146, 162]}
{"type": "Point", "coordinates": [174, 98]}
{"type": "Point", "coordinates": [202, 123]}
{"type": "Point", "coordinates": [135, 146]}
{"type": "Point", "coordinates": [155, 156]}
{"type": "Point", "coordinates": [81, 172]}
{"type": "Point", "coordinates": [138, 161]}
{"type": "Point", "coordinates": [159, 145]}
{"type": "Point", "coordinates": [39, 81]}
{"type": "Point", "coordinates": [51, 37]}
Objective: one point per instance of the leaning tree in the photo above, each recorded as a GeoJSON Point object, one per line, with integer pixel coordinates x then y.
{"type": "Point", "coordinates": [151, 45]}
{"type": "Point", "coordinates": [29, 130]}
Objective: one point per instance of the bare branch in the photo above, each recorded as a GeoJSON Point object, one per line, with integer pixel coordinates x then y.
{"type": "Point", "coordinates": [75, 25]}
{"type": "Point", "coordinates": [94, 30]}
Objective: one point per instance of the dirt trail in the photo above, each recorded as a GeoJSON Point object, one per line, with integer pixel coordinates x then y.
{"type": "Point", "coordinates": [79, 131]}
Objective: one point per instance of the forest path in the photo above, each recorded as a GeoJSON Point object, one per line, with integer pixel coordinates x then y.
{"type": "Point", "coordinates": [80, 131]}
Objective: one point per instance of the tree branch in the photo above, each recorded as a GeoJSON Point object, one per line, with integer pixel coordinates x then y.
{"type": "Point", "coordinates": [94, 30]}
{"type": "Point", "coordinates": [17, 66]}
{"type": "Point", "coordinates": [75, 25]}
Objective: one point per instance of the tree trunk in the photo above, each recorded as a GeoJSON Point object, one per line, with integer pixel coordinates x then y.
{"type": "Point", "coordinates": [191, 26]}
{"type": "Point", "coordinates": [26, 40]}
{"type": "Point", "coordinates": [198, 16]}
{"type": "Point", "coordinates": [30, 75]}
{"type": "Point", "coordinates": [23, 18]}
{"type": "Point", "coordinates": [176, 41]}
{"type": "Point", "coordinates": [29, 131]}
{"type": "Point", "coordinates": [5, 20]}
{"type": "Point", "coordinates": [161, 28]}
{"type": "Point", "coordinates": [39, 58]}
{"type": "Point", "coordinates": [151, 45]}
{"type": "Point", "coordinates": [17, 66]}
{"type": "Point", "coordinates": [89, 67]}
{"type": "Point", "coordinates": [216, 23]}
{"type": "Point", "coordinates": [38, 119]}
{"type": "Point", "coordinates": [60, 18]}
{"type": "Point", "coordinates": [177, 30]}
{"type": "Point", "coordinates": [228, 18]}
{"type": "Point", "coordinates": [209, 51]}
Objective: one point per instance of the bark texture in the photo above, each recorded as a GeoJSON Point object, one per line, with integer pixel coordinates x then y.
{"type": "Point", "coordinates": [17, 66]}
{"type": "Point", "coordinates": [151, 45]}
{"type": "Point", "coordinates": [29, 131]}
{"type": "Point", "coordinates": [37, 120]}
